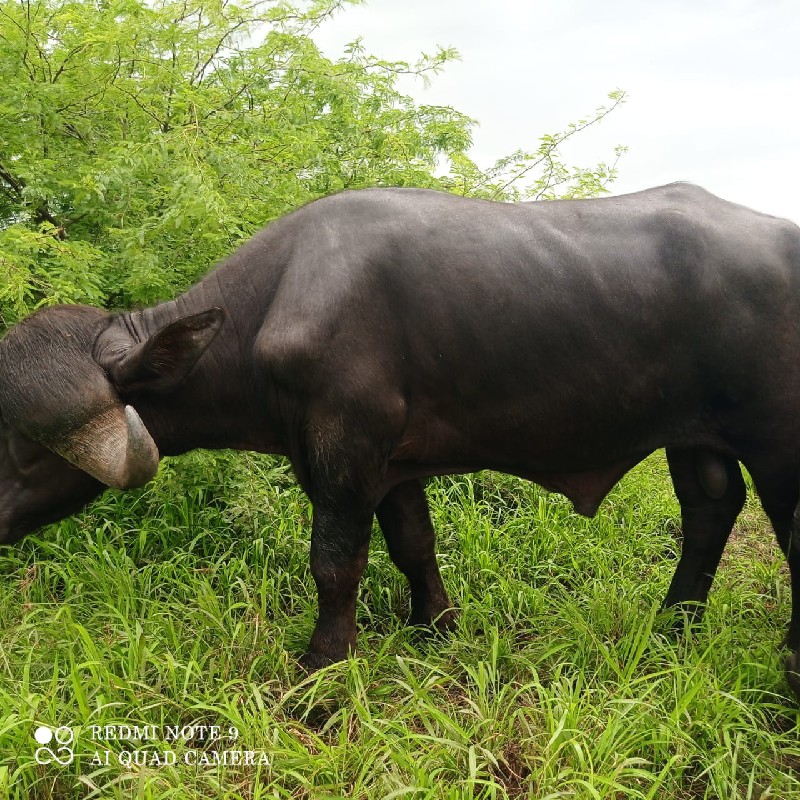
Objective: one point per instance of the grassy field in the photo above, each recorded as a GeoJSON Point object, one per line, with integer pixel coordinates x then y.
{"type": "Point", "coordinates": [187, 603]}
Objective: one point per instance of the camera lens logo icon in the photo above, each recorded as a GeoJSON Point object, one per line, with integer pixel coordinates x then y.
{"type": "Point", "coordinates": [62, 752]}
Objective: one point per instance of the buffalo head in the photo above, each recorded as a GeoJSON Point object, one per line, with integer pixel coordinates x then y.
{"type": "Point", "coordinates": [67, 431]}
{"type": "Point", "coordinates": [37, 486]}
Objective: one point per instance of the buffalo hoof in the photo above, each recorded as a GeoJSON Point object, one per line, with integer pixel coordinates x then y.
{"type": "Point", "coordinates": [310, 662]}
{"type": "Point", "coordinates": [444, 622]}
{"type": "Point", "coordinates": [447, 621]}
{"type": "Point", "coordinates": [792, 664]}
{"type": "Point", "coordinates": [684, 617]}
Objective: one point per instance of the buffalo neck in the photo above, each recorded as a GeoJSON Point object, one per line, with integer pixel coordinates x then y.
{"type": "Point", "coordinates": [217, 405]}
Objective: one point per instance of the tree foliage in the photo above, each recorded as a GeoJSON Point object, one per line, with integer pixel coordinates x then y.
{"type": "Point", "coordinates": [141, 140]}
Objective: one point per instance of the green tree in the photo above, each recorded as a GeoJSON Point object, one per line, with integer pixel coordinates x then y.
{"type": "Point", "coordinates": [140, 141]}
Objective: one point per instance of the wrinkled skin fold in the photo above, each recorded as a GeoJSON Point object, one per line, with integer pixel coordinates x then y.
{"type": "Point", "coordinates": [378, 337]}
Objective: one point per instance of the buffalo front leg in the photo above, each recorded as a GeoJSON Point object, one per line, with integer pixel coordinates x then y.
{"type": "Point", "coordinates": [405, 520]}
{"type": "Point", "coordinates": [711, 493]}
{"type": "Point", "coordinates": [339, 545]}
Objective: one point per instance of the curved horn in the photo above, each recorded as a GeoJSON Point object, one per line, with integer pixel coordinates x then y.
{"type": "Point", "coordinates": [115, 447]}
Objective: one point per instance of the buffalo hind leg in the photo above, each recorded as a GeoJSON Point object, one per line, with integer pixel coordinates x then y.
{"type": "Point", "coordinates": [405, 520]}
{"type": "Point", "coordinates": [779, 497]}
{"type": "Point", "coordinates": [711, 493]}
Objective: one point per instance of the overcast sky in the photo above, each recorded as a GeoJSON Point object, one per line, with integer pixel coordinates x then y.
{"type": "Point", "coordinates": [714, 87]}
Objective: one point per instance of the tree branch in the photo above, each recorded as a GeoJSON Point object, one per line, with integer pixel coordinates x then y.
{"type": "Point", "coordinates": [42, 214]}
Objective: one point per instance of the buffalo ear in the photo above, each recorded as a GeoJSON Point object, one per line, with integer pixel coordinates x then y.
{"type": "Point", "coordinates": [164, 361]}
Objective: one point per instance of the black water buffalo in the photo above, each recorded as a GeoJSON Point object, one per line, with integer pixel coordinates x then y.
{"type": "Point", "coordinates": [377, 337]}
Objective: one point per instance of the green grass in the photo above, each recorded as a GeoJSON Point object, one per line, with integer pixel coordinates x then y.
{"type": "Point", "coordinates": [189, 601]}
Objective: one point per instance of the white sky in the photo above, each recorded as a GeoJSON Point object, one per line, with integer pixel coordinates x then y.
{"type": "Point", "coordinates": [713, 85]}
